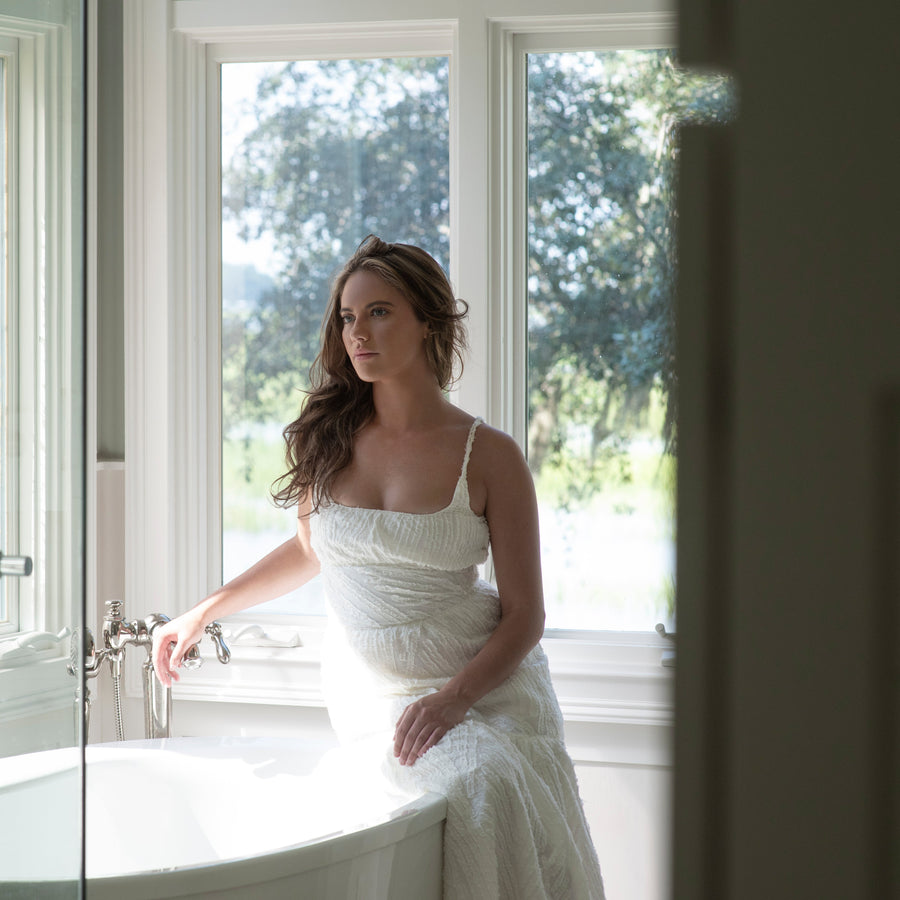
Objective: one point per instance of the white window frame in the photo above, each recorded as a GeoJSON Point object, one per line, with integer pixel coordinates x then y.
{"type": "Point", "coordinates": [45, 278]}
{"type": "Point", "coordinates": [42, 277]}
{"type": "Point", "coordinates": [172, 196]}
{"type": "Point", "coordinates": [15, 468]}
{"type": "Point", "coordinates": [411, 40]}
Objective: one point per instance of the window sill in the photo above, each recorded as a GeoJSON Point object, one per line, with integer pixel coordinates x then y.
{"type": "Point", "coordinates": [611, 677]}
{"type": "Point", "coordinates": [605, 677]}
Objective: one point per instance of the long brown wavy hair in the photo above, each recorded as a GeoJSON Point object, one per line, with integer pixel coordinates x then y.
{"type": "Point", "coordinates": [319, 443]}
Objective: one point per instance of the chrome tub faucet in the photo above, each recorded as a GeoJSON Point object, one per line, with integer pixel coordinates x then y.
{"type": "Point", "coordinates": [116, 635]}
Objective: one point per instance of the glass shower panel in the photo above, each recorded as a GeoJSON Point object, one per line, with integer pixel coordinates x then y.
{"type": "Point", "coordinates": [42, 464]}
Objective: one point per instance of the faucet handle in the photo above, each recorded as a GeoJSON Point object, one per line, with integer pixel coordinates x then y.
{"type": "Point", "coordinates": [214, 630]}
{"type": "Point", "coordinates": [113, 610]}
{"type": "Point", "coordinates": [193, 660]}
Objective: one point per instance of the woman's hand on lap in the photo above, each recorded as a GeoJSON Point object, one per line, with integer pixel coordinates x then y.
{"type": "Point", "coordinates": [424, 723]}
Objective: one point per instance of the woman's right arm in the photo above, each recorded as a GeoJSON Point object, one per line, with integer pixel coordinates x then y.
{"type": "Point", "coordinates": [284, 569]}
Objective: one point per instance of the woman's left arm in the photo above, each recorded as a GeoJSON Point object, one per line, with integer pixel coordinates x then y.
{"type": "Point", "coordinates": [511, 511]}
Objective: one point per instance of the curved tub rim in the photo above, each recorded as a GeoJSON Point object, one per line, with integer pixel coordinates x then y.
{"type": "Point", "coordinates": [243, 871]}
{"type": "Point", "coordinates": [407, 819]}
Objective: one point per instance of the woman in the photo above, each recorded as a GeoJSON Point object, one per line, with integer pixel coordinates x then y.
{"type": "Point", "coordinates": [399, 495]}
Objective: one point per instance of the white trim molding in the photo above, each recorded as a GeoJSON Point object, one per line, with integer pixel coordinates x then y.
{"type": "Point", "coordinates": [149, 482]}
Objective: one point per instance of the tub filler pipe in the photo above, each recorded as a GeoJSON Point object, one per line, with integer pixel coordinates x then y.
{"type": "Point", "coordinates": [157, 703]}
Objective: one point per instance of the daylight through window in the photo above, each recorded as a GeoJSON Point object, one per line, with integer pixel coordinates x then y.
{"type": "Point", "coordinates": [602, 145]}
{"type": "Point", "coordinates": [315, 156]}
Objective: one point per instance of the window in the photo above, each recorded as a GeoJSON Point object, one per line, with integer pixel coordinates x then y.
{"type": "Point", "coordinates": [608, 672]}
{"type": "Point", "coordinates": [8, 600]}
{"type": "Point", "coordinates": [41, 334]}
{"type": "Point", "coordinates": [315, 155]}
{"type": "Point", "coordinates": [601, 148]}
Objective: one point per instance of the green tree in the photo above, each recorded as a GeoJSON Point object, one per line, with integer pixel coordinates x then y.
{"type": "Point", "coordinates": [602, 152]}
{"type": "Point", "coordinates": [343, 148]}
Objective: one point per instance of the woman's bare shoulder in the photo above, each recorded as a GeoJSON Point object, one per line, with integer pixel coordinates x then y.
{"type": "Point", "coordinates": [496, 442]}
{"type": "Point", "coordinates": [496, 455]}
{"type": "Point", "coordinates": [499, 478]}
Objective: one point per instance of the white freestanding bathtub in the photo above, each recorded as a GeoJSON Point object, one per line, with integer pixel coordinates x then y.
{"type": "Point", "coordinates": [224, 818]}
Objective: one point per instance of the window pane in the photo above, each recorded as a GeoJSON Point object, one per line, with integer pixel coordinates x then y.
{"type": "Point", "coordinates": [601, 440]}
{"type": "Point", "coordinates": [315, 156]}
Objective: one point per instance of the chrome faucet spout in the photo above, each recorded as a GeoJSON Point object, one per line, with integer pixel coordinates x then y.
{"type": "Point", "coordinates": [117, 633]}
{"type": "Point", "coordinates": [149, 624]}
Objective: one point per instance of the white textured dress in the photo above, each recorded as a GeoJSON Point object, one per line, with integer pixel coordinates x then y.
{"type": "Point", "coordinates": [407, 611]}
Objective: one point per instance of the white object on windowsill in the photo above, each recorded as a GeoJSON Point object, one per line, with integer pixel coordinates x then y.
{"type": "Point", "coordinates": [668, 656]}
{"type": "Point", "coordinates": [257, 636]}
{"type": "Point", "coordinates": [25, 648]}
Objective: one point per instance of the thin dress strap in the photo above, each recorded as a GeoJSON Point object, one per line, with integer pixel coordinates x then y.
{"type": "Point", "coordinates": [469, 441]}
{"type": "Point", "coordinates": [461, 494]}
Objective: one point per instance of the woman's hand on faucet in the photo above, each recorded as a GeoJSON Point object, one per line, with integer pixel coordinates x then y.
{"type": "Point", "coordinates": [171, 642]}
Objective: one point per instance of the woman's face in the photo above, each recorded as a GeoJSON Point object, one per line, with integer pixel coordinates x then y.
{"type": "Point", "coordinates": [382, 335]}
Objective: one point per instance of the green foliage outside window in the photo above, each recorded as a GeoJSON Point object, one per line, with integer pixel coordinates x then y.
{"type": "Point", "coordinates": [340, 149]}
{"type": "Point", "coordinates": [337, 149]}
{"type": "Point", "coordinates": [330, 151]}
{"type": "Point", "coordinates": [602, 153]}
